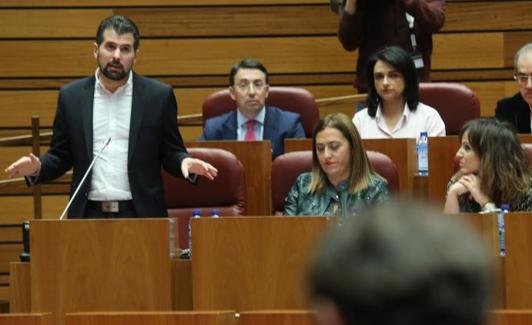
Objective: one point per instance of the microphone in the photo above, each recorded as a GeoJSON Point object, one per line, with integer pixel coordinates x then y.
{"type": "Point", "coordinates": [84, 177]}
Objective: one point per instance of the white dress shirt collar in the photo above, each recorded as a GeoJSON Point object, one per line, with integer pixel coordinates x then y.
{"type": "Point", "coordinates": [242, 120]}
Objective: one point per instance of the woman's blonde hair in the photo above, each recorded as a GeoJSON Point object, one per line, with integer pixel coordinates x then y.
{"type": "Point", "coordinates": [361, 169]}
{"type": "Point", "coordinates": [504, 171]}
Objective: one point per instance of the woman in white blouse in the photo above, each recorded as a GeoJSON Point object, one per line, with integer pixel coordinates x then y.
{"type": "Point", "coordinates": [394, 109]}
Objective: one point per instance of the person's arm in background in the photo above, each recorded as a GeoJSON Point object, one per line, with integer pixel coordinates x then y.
{"type": "Point", "coordinates": [429, 14]}
{"type": "Point", "coordinates": [350, 27]}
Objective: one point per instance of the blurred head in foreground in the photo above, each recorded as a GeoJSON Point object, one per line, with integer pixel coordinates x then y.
{"type": "Point", "coordinates": [401, 264]}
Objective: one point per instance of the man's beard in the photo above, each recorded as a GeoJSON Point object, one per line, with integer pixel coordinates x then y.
{"type": "Point", "coordinates": [116, 76]}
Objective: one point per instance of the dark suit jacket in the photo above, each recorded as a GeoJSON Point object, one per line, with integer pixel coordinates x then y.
{"type": "Point", "coordinates": [278, 125]}
{"type": "Point", "coordinates": [516, 111]}
{"type": "Point", "coordinates": [154, 139]}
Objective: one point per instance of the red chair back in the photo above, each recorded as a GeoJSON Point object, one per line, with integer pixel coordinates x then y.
{"type": "Point", "coordinates": [226, 193]}
{"type": "Point", "coordinates": [456, 103]}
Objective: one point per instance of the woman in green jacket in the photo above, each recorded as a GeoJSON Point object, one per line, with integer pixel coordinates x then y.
{"type": "Point", "coordinates": [342, 180]}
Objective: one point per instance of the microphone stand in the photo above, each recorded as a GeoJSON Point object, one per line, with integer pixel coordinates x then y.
{"type": "Point", "coordinates": [84, 177]}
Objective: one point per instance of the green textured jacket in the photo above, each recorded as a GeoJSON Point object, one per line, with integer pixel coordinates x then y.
{"type": "Point", "coordinates": [332, 202]}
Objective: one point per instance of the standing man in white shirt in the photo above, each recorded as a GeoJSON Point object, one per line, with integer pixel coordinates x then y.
{"type": "Point", "coordinates": [138, 114]}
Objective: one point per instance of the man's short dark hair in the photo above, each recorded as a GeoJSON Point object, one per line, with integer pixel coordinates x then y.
{"type": "Point", "coordinates": [401, 61]}
{"type": "Point", "coordinates": [403, 264]}
{"type": "Point", "coordinates": [246, 64]}
{"type": "Point", "coordinates": [121, 25]}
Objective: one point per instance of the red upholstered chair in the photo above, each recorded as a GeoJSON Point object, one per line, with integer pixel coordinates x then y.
{"type": "Point", "coordinates": [227, 192]}
{"type": "Point", "coordinates": [288, 166]}
{"type": "Point", "coordinates": [297, 100]}
{"type": "Point", "coordinates": [455, 102]}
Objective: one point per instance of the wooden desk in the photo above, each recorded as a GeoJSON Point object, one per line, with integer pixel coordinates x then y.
{"type": "Point", "coordinates": [257, 263]}
{"type": "Point", "coordinates": [85, 265]}
{"type": "Point", "coordinates": [256, 157]}
{"type": "Point", "coordinates": [252, 263]}
{"type": "Point", "coordinates": [518, 261]}
{"type": "Point", "coordinates": [515, 269]}
{"type": "Point", "coordinates": [401, 151]}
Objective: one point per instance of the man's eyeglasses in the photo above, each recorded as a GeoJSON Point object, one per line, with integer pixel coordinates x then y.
{"type": "Point", "coordinates": [246, 86]}
{"type": "Point", "coordinates": [523, 78]}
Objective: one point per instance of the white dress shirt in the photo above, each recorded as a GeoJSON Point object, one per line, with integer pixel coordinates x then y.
{"type": "Point", "coordinates": [410, 125]}
{"type": "Point", "coordinates": [242, 121]}
{"type": "Point", "coordinates": [111, 119]}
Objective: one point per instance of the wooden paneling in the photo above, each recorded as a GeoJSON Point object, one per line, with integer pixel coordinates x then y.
{"type": "Point", "coordinates": [512, 42]}
{"type": "Point", "coordinates": [9, 253]}
{"type": "Point", "coordinates": [16, 209]}
{"type": "Point", "coordinates": [26, 319]}
{"type": "Point", "coordinates": [518, 266]}
{"type": "Point", "coordinates": [20, 289]}
{"type": "Point", "coordinates": [46, 23]}
{"type": "Point", "coordinates": [511, 317]}
{"type": "Point", "coordinates": [4, 294]}
{"type": "Point", "coordinates": [182, 284]}
{"type": "Point", "coordinates": [215, 56]}
{"type": "Point", "coordinates": [234, 21]}
{"type": "Point", "coordinates": [17, 107]}
{"type": "Point", "coordinates": [172, 21]}
{"type": "Point", "coordinates": [202, 20]}
{"type": "Point", "coordinates": [152, 318]}
{"type": "Point", "coordinates": [468, 51]}
{"type": "Point", "coordinates": [20, 296]}
{"type": "Point", "coordinates": [129, 3]}
{"type": "Point", "coordinates": [487, 15]}
{"type": "Point", "coordinates": [277, 317]}
{"type": "Point", "coordinates": [10, 233]}
{"type": "Point", "coordinates": [184, 56]}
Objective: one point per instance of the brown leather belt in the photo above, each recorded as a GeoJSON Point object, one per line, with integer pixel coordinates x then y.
{"type": "Point", "coordinates": [110, 206]}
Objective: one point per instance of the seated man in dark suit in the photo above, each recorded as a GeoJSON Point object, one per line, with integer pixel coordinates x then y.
{"type": "Point", "coordinates": [518, 109]}
{"type": "Point", "coordinates": [252, 120]}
